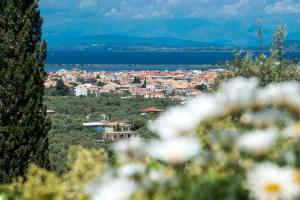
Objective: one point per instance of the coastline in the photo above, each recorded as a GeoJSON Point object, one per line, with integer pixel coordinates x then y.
{"type": "Point", "coordinates": [131, 67]}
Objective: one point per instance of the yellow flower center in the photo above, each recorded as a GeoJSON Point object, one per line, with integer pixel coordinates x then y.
{"type": "Point", "coordinates": [297, 176]}
{"type": "Point", "coordinates": [297, 127]}
{"type": "Point", "coordinates": [272, 187]}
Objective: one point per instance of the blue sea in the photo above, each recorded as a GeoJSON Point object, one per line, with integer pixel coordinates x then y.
{"type": "Point", "coordinates": [126, 61]}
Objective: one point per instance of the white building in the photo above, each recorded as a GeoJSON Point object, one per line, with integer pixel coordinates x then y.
{"type": "Point", "coordinates": [110, 87]}
{"type": "Point", "coordinates": [87, 89]}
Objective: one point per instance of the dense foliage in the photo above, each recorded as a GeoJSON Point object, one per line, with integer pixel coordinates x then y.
{"type": "Point", "coordinates": [72, 111]}
{"type": "Point", "coordinates": [240, 143]}
{"type": "Point", "coordinates": [267, 68]}
{"type": "Point", "coordinates": [23, 121]}
{"type": "Point", "coordinates": [202, 88]}
{"type": "Point", "coordinates": [60, 89]}
{"type": "Point", "coordinates": [83, 166]}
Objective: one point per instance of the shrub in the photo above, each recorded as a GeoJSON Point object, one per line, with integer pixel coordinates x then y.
{"type": "Point", "coordinates": [239, 143]}
{"type": "Point", "coordinates": [84, 166]}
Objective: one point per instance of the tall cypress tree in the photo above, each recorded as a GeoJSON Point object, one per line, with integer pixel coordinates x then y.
{"type": "Point", "coordinates": [23, 119]}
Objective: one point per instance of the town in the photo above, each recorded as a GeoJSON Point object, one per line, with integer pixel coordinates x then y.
{"type": "Point", "coordinates": [172, 87]}
{"type": "Point", "coordinates": [178, 85]}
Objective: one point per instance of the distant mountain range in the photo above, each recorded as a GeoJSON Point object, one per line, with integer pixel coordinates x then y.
{"type": "Point", "coordinates": [121, 42]}
{"type": "Point", "coordinates": [293, 44]}
{"type": "Point", "coordinates": [131, 40]}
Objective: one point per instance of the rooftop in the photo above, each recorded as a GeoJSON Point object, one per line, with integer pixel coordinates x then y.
{"type": "Point", "coordinates": [117, 124]}
{"type": "Point", "coordinates": [90, 124]}
{"type": "Point", "coordinates": [50, 111]}
{"type": "Point", "coordinates": [122, 132]}
{"type": "Point", "coordinates": [152, 109]}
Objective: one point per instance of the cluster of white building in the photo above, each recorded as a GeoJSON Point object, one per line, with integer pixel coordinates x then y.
{"type": "Point", "coordinates": [150, 84]}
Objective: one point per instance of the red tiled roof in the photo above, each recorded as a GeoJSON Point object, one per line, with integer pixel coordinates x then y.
{"type": "Point", "coordinates": [152, 109]}
{"type": "Point", "coordinates": [140, 91]}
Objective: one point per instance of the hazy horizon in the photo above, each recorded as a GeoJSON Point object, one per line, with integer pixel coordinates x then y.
{"type": "Point", "coordinates": [200, 20]}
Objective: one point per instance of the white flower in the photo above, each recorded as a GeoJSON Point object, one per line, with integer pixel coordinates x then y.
{"type": "Point", "coordinates": [156, 176]}
{"type": "Point", "coordinates": [237, 92]}
{"type": "Point", "coordinates": [270, 182]}
{"type": "Point", "coordinates": [266, 118]}
{"type": "Point", "coordinates": [177, 121]}
{"type": "Point", "coordinates": [257, 142]}
{"type": "Point", "coordinates": [282, 93]}
{"type": "Point", "coordinates": [132, 169]}
{"type": "Point", "coordinates": [114, 189]}
{"type": "Point", "coordinates": [175, 150]}
{"type": "Point", "coordinates": [130, 150]}
{"type": "Point", "coordinates": [159, 176]}
{"type": "Point", "coordinates": [203, 108]}
{"type": "Point", "coordinates": [183, 120]}
{"type": "Point", "coordinates": [292, 131]}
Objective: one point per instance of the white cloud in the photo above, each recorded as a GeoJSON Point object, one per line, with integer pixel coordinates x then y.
{"type": "Point", "coordinates": [138, 16]}
{"type": "Point", "coordinates": [166, 2]}
{"type": "Point", "coordinates": [161, 13]}
{"type": "Point", "coordinates": [197, 13]}
{"type": "Point", "coordinates": [157, 2]}
{"type": "Point", "coordinates": [204, 1]}
{"type": "Point", "coordinates": [283, 7]}
{"type": "Point", "coordinates": [233, 9]}
{"type": "Point", "coordinates": [173, 2]}
{"type": "Point", "coordinates": [87, 3]}
{"type": "Point", "coordinates": [112, 12]}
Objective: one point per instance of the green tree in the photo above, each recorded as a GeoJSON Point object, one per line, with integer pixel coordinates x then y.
{"type": "Point", "coordinates": [260, 35]}
{"type": "Point", "coordinates": [80, 80]}
{"type": "Point", "coordinates": [136, 80]}
{"type": "Point", "coordinates": [278, 42]}
{"type": "Point", "coordinates": [23, 120]}
{"type": "Point", "coordinates": [61, 89]}
{"type": "Point", "coordinates": [202, 88]}
{"type": "Point", "coordinates": [268, 69]}
{"type": "Point", "coordinates": [145, 83]}
{"type": "Point", "coordinates": [100, 84]}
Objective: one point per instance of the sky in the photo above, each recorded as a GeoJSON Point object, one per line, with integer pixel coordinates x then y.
{"type": "Point", "coordinates": [201, 20]}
